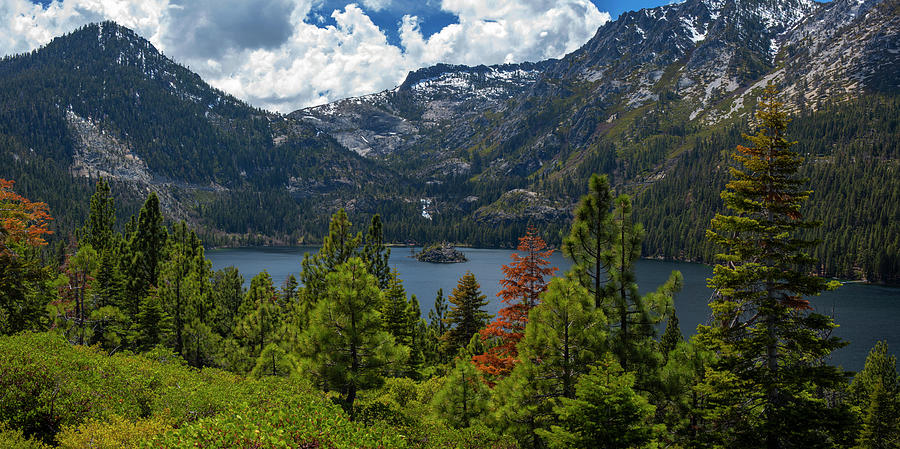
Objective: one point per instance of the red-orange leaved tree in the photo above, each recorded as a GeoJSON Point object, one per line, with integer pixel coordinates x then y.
{"type": "Point", "coordinates": [21, 221]}
{"type": "Point", "coordinates": [522, 287]}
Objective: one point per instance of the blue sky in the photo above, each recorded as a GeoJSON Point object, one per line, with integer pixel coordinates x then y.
{"type": "Point", "coordinates": [286, 54]}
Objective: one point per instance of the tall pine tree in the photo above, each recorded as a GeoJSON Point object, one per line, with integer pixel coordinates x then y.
{"type": "Point", "coordinates": [765, 388]}
{"type": "Point", "coordinates": [590, 236]}
{"type": "Point", "coordinates": [147, 247]}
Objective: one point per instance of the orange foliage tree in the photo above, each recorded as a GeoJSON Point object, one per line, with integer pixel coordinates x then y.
{"type": "Point", "coordinates": [21, 221]}
{"type": "Point", "coordinates": [522, 286]}
{"type": "Point", "coordinates": [23, 281]}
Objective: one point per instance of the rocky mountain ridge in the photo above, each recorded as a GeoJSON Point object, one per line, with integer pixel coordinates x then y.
{"type": "Point", "coordinates": [705, 56]}
{"type": "Point", "coordinates": [473, 154]}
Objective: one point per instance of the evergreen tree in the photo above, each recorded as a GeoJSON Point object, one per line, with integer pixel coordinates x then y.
{"type": "Point", "coordinates": [337, 248]}
{"type": "Point", "coordinates": [633, 317]}
{"type": "Point", "coordinates": [880, 368]}
{"type": "Point", "coordinates": [227, 293]}
{"type": "Point", "coordinates": [565, 334]}
{"type": "Point", "coordinates": [79, 269]}
{"type": "Point", "coordinates": [522, 287]}
{"type": "Point", "coordinates": [466, 316]}
{"type": "Point", "coordinates": [259, 319]}
{"type": "Point", "coordinates": [590, 236]}
{"type": "Point", "coordinates": [876, 391]}
{"type": "Point", "coordinates": [273, 361]}
{"type": "Point", "coordinates": [24, 283]}
{"type": "Point", "coordinates": [147, 247]}
{"type": "Point", "coordinates": [110, 280]}
{"type": "Point", "coordinates": [462, 396]}
{"type": "Point", "coordinates": [173, 289]}
{"type": "Point", "coordinates": [99, 229]}
{"type": "Point", "coordinates": [606, 412]}
{"type": "Point", "coordinates": [672, 335]}
{"type": "Point", "coordinates": [111, 328]}
{"type": "Point", "coordinates": [437, 314]}
{"type": "Point", "coordinates": [346, 348]}
{"type": "Point", "coordinates": [417, 334]}
{"type": "Point", "coordinates": [765, 388]}
{"type": "Point", "coordinates": [436, 329]}
{"type": "Point", "coordinates": [676, 396]}
{"type": "Point", "coordinates": [202, 346]}
{"type": "Point", "coordinates": [881, 420]}
{"type": "Point", "coordinates": [289, 290]}
{"type": "Point", "coordinates": [152, 325]}
{"type": "Point", "coordinates": [376, 255]}
{"type": "Point", "coordinates": [394, 310]}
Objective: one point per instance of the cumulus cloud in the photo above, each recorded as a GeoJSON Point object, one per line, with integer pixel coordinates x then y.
{"type": "Point", "coordinates": [277, 54]}
{"type": "Point", "coordinates": [25, 26]}
{"type": "Point", "coordinates": [209, 28]}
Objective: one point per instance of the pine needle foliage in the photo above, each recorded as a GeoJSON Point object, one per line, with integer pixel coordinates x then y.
{"type": "Point", "coordinates": [765, 389]}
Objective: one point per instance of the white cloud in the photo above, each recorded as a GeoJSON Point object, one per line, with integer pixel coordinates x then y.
{"type": "Point", "coordinates": [376, 5]}
{"type": "Point", "coordinates": [499, 31]}
{"type": "Point", "coordinates": [24, 26]}
{"type": "Point", "coordinates": [276, 54]}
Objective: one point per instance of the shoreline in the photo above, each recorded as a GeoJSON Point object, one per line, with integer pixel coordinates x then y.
{"type": "Point", "coordinates": [469, 246]}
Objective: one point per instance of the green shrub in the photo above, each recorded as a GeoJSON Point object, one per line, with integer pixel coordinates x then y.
{"type": "Point", "coordinates": [115, 433]}
{"type": "Point", "coordinates": [53, 390]}
{"type": "Point", "coordinates": [13, 439]}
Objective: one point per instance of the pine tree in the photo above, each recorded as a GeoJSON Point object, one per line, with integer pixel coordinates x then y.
{"type": "Point", "coordinates": [337, 248]}
{"type": "Point", "coordinates": [564, 336]}
{"type": "Point", "coordinates": [462, 397]}
{"type": "Point", "coordinates": [346, 348]}
{"type": "Point", "coordinates": [876, 391]}
{"type": "Point", "coordinates": [437, 314]}
{"type": "Point", "coordinates": [590, 236]}
{"type": "Point", "coordinates": [671, 336]}
{"type": "Point", "coordinates": [881, 420]}
{"type": "Point", "coordinates": [79, 269]}
{"type": "Point", "coordinates": [606, 412]}
{"type": "Point", "coordinates": [522, 287]}
{"type": "Point", "coordinates": [99, 229]}
{"type": "Point", "coordinates": [227, 296]}
{"type": "Point", "coordinates": [393, 311]}
{"type": "Point", "coordinates": [259, 319]}
{"type": "Point", "coordinates": [633, 317]}
{"type": "Point", "coordinates": [110, 280]}
{"type": "Point", "coordinates": [152, 326]}
{"type": "Point", "coordinates": [417, 332]}
{"type": "Point", "coordinates": [880, 368]}
{"type": "Point", "coordinates": [146, 246]}
{"type": "Point", "coordinates": [765, 388]}
{"type": "Point", "coordinates": [376, 255]}
{"type": "Point", "coordinates": [466, 316]}
{"type": "Point", "coordinates": [172, 284]}
{"type": "Point", "coordinates": [273, 361]}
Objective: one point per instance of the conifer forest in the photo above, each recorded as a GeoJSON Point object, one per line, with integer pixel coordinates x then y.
{"type": "Point", "coordinates": [466, 224]}
{"type": "Point", "coordinates": [122, 335]}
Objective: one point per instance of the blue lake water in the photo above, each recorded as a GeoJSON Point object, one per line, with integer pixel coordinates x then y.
{"type": "Point", "coordinates": [865, 313]}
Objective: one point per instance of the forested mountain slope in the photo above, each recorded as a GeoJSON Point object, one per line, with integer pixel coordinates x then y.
{"type": "Point", "coordinates": [103, 101]}
{"type": "Point", "coordinates": [472, 154]}
{"type": "Point", "coordinates": [657, 97]}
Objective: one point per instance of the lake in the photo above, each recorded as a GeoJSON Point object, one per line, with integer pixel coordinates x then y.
{"type": "Point", "coordinates": [865, 313]}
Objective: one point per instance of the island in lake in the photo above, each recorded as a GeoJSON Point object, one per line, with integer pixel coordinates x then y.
{"type": "Point", "coordinates": [441, 253]}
